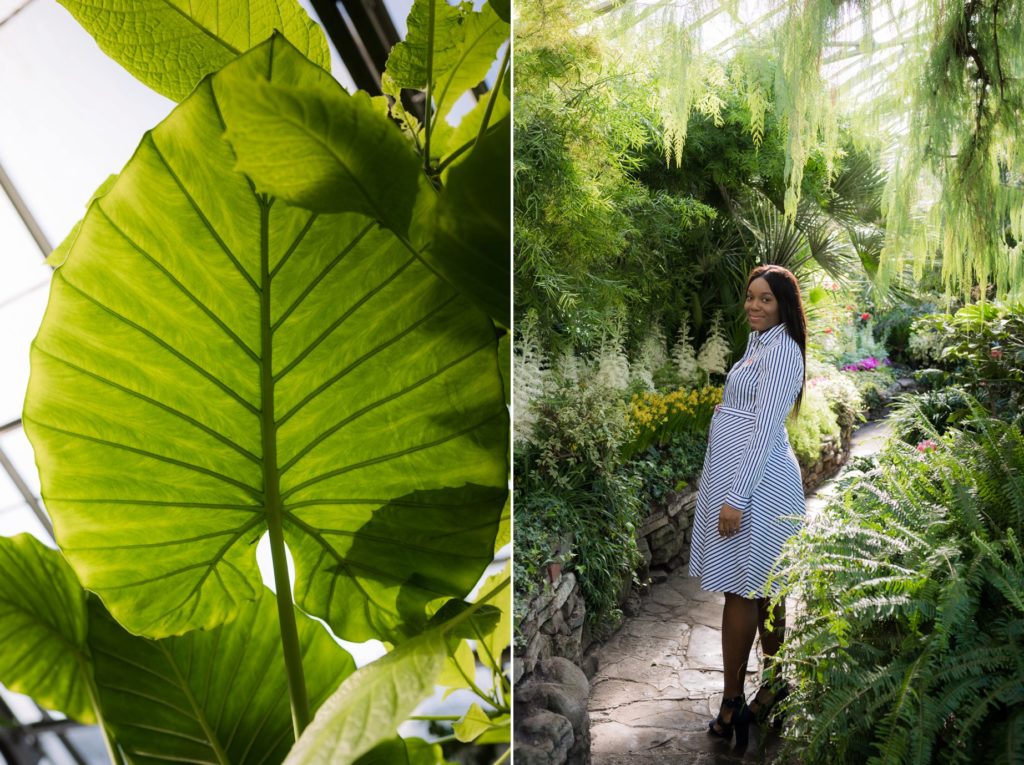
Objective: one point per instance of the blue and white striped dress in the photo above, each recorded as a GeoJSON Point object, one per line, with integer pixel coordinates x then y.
{"type": "Point", "coordinates": [750, 465]}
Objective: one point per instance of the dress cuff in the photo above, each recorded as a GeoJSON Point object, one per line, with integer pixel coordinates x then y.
{"type": "Point", "coordinates": [740, 503]}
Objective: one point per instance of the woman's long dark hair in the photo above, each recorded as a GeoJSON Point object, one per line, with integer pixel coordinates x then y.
{"type": "Point", "coordinates": [786, 290]}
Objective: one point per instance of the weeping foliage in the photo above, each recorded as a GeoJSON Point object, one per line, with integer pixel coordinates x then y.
{"type": "Point", "coordinates": [938, 89]}
{"type": "Point", "coordinates": [620, 214]}
{"type": "Point", "coordinates": [908, 648]}
{"type": "Point", "coordinates": [965, 91]}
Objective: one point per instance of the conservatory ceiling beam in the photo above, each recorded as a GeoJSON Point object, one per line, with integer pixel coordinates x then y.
{"type": "Point", "coordinates": [26, 493]}
{"type": "Point", "coordinates": [351, 46]}
{"type": "Point", "coordinates": [25, 213]}
{"type": "Point", "coordinates": [16, 11]}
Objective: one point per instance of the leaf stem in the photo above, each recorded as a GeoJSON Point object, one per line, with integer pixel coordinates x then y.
{"type": "Point", "coordinates": [273, 506]}
{"type": "Point", "coordinates": [455, 154]}
{"type": "Point", "coordinates": [504, 756]}
{"type": "Point", "coordinates": [437, 718]}
{"type": "Point", "coordinates": [430, 78]}
{"type": "Point", "coordinates": [94, 697]}
{"type": "Point", "coordinates": [494, 92]}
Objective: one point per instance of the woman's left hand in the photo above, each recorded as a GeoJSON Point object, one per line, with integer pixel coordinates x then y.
{"type": "Point", "coordinates": [729, 520]}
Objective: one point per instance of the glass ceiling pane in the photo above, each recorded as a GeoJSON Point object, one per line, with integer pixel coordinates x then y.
{"type": "Point", "coordinates": [69, 121]}
{"type": "Point", "coordinates": [19, 320]}
{"type": "Point", "coordinates": [18, 450]}
{"type": "Point", "coordinates": [21, 262]}
{"type": "Point", "coordinates": [20, 520]}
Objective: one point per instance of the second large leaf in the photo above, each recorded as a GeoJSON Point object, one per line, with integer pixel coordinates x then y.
{"type": "Point", "coordinates": [211, 359]}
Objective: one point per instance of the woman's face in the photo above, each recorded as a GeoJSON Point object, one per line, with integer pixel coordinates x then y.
{"type": "Point", "coordinates": [761, 306]}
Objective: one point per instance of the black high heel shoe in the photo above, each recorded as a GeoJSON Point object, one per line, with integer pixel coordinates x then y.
{"type": "Point", "coordinates": [738, 721]}
{"type": "Point", "coordinates": [766, 709]}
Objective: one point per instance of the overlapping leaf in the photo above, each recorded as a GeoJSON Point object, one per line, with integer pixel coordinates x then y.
{"type": "Point", "coordinates": [204, 697]}
{"type": "Point", "coordinates": [404, 751]}
{"type": "Point", "coordinates": [372, 703]}
{"type": "Point", "coordinates": [210, 357]}
{"type": "Point", "coordinates": [472, 242]}
{"type": "Point", "coordinates": [315, 145]}
{"type": "Point", "coordinates": [465, 45]}
{"type": "Point", "coordinates": [209, 696]}
{"type": "Point", "coordinates": [170, 45]}
{"type": "Point", "coordinates": [43, 628]}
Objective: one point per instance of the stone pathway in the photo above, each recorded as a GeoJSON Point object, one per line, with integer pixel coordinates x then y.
{"type": "Point", "coordinates": [660, 676]}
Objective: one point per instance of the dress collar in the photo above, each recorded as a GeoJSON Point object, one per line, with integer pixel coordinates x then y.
{"type": "Point", "coordinates": [769, 335]}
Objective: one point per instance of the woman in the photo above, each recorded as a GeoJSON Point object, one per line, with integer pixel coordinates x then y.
{"type": "Point", "coordinates": [750, 484]}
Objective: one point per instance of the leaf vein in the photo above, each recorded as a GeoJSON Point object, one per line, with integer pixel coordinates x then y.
{"type": "Point", "coordinates": [340, 320]}
{"type": "Point", "coordinates": [376, 404]}
{"type": "Point", "coordinates": [169, 409]}
{"type": "Point", "coordinates": [159, 341]}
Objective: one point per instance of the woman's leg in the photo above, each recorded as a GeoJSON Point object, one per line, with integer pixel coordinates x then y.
{"type": "Point", "coordinates": [739, 626]}
{"type": "Point", "coordinates": [771, 640]}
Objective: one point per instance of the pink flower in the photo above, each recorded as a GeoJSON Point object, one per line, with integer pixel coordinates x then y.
{"type": "Point", "coordinates": [834, 286]}
{"type": "Point", "coordinates": [996, 353]}
{"type": "Point", "coordinates": [828, 330]}
{"type": "Point", "coordinates": [928, 445]}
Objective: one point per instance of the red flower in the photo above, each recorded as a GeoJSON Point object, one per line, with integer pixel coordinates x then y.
{"type": "Point", "coordinates": [865, 316]}
{"type": "Point", "coordinates": [997, 353]}
{"type": "Point", "coordinates": [828, 330]}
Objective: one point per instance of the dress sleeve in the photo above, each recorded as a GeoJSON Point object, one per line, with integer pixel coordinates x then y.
{"type": "Point", "coordinates": [780, 374]}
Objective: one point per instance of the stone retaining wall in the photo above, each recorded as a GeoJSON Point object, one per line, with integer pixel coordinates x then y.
{"type": "Point", "coordinates": [555, 625]}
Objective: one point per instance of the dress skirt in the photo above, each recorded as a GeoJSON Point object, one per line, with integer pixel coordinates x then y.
{"type": "Point", "coordinates": [750, 464]}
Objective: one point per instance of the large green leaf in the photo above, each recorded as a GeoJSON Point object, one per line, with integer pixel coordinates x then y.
{"type": "Point", "coordinates": [472, 241]}
{"type": "Point", "coordinates": [372, 703]}
{"type": "Point", "coordinates": [216, 696]}
{"type": "Point", "coordinates": [465, 45]}
{"type": "Point", "coordinates": [301, 137]}
{"type": "Point", "coordinates": [170, 45]}
{"type": "Point", "coordinates": [43, 628]}
{"type": "Point", "coordinates": [211, 360]}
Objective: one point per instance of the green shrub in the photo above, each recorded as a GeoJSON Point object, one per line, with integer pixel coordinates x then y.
{"type": "Point", "coordinates": [570, 482]}
{"type": "Point", "coordinates": [908, 648]}
{"type": "Point", "coordinates": [873, 385]}
{"type": "Point", "coordinates": [917, 417]}
{"type": "Point", "coordinates": [841, 392]}
{"type": "Point", "coordinates": [815, 421]}
{"type": "Point", "coordinates": [982, 349]}
{"type": "Point", "coordinates": [672, 467]}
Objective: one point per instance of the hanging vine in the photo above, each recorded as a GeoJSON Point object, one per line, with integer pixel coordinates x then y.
{"type": "Point", "coordinates": [941, 95]}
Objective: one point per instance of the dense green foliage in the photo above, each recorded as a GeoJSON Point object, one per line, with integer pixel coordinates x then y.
{"type": "Point", "coordinates": [609, 234]}
{"type": "Point", "coordinates": [937, 89]}
{"type": "Point", "coordinates": [574, 495]}
{"type": "Point", "coordinates": [908, 648]}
